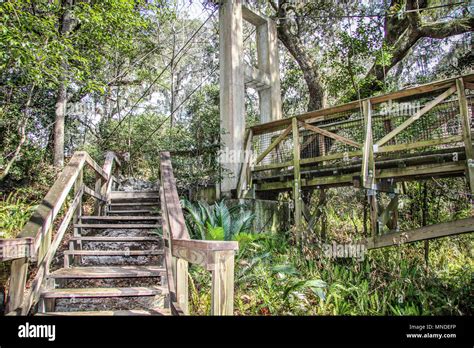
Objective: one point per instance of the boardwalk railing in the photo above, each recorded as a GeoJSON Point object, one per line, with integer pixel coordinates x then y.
{"type": "Point", "coordinates": [215, 256]}
{"type": "Point", "coordinates": [43, 233]}
{"type": "Point", "coordinates": [420, 121]}
{"type": "Point", "coordinates": [422, 131]}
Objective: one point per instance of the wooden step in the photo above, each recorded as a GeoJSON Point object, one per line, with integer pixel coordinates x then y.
{"type": "Point", "coordinates": [118, 239]}
{"type": "Point", "coordinates": [134, 195]}
{"type": "Point", "coordinates": [131, 312]}
{"type": "Point", "coordinates": [108, 272]}
{"type": "Point", "coordinates": [116, 226]}
{"type": "Point", "coordinates": [113, 252]}
{"type": "Point", "coordinates": [105, 292]}
{"type": "Point", "coordinates": [126, 212]}
{"type": "Point", "coordinates": [120, 218]}
{"type": "Point", "coordinates": [134, 204]}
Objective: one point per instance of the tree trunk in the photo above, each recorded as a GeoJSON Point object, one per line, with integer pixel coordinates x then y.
{"type": "Point", "coordinates": [307, 64]}
{"type": "Point", "coordinates": [61, 100]}
{"type": "Point", "coordinates": [58, 152]}
{"type": "Point", "coordinates": [22, 133]}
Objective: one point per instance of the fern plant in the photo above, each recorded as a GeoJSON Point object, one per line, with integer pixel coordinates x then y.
{"type": "Point", "coordinates": [14, 213]}
{"type": "Point", "coordinates": [217, 222]}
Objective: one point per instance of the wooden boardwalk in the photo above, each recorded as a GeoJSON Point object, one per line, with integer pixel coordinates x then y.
{"type": "Point", "coordinates": [418, 133]}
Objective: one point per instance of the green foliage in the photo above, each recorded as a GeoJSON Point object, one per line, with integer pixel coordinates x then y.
{"type": "Point", "coordinates": [273, 276]}
{"type": "Point", "coordinates": [273, 279]}
{"type": "Point", "coordinates": [14, 213]}
{"type": "Point", "coordinates": [36, 55]}
{"type": "Point", "coordinates": [33, 46]}
{"type": "Point", "coordinates": [218, 222]}
{"type": "Point", "coordinates": [347, 59]}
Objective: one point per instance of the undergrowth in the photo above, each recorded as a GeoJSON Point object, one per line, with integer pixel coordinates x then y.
{"type": "Point", "coordinates": [15, 211]}
{"type": "Point", "coordinates": [273, 278]}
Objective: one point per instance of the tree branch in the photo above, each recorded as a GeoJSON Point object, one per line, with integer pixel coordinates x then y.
{"type": "Point", "coordinates": [403, 34]}
{"type": "Point", "coordinates": [441, 30]}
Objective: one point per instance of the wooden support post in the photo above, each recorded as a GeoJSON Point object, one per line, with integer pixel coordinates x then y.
{"type": "Point", "coordinates": [77, 215]}
{"type": "Point", "coordinates": [232, 88]}
{"type": "Point", "coordinates": [466, 130]}
{"type": "Point", "coordinates": [97, 188]}
{"type": "Point", "coordinates": [223, 283]}
{"type": "Point", "coordinates": [297, 178]}
{"type": "Point", "coordinates": [368, 163]}
{"type": "Point", "coordinates": [331, 135]}
{"type": "Point", "coordinates": [182, 285]}
{"type": "Point", "coordinates": [416, 116]}
{"type": "Point", "coordinates": [373, 213]}
{"type": "Point", "coordinates": [16, 290]}
{"type": "Point", "coordinates": [45, 242]}
{"type": "Point", "coordinates": [393, 223]}
{"type": "Point", "coordinates": [368, 166]}
{"type": "Point", "coordinates": [49, 305]}
{"type": "Point", "coordinates": [389, 216]}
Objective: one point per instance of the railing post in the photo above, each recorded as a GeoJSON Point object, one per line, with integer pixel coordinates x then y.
{"type": "Point", "coordinates": [97, 188]}
{"type": "Point", "coordinates": [368, 166]}
{"type": "Point", "coordinates": [77, 215]}
{"type": "Point", "coordinates": [466, 129]}
{"type": "Point", "coordinates": [182, 285]}
{"type": "Point", "coordinates": [16, 290]}
{"type": "Point", "coordinates": [297, 178]}
{"type": "Point", "coordinates": [223, 283]}
{"type": "Point", "coordinates": [244, 178]}
{"type": "Point", "coordinates": [45, 242]}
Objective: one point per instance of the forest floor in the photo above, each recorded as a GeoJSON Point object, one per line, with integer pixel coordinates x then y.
{"type": "Point", "coordinates": [272, 278]}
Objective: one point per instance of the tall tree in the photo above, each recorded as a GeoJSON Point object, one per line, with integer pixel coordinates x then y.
{"type": "Point", "coordinates": [66, 24]}
{"type": "Point", "coordinates": [303, 27]}
{"type": "Point", "coordinates": [408, 21]}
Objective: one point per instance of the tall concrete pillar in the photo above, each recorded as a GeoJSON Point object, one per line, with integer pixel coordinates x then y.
{"type": "Point", "coordinates": [269, 63]}
{"type": "Point", "coordinates": [235, 76]}
{"type": "Point", "coordinates": [232, 97]}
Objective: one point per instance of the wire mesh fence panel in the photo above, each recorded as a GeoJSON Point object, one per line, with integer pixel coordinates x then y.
{"type": "Point", "coordinates": [281, 153]}
{"type": "Point", "coordinates": [401, 126]}
{"type": "Point", "coordinates": [327, 151]}
{"type": "Point", "coordinates": [441, 122]}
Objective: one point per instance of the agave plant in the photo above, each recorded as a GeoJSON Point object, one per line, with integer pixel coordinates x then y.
{"type": "Point", "coordinates": [217, 222]}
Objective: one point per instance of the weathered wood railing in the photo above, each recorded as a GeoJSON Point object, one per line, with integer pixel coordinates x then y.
{"type": "Point", "coordinates": [418, 120]}
{"type": "Point", "coordinates": [422, 131]}
{"type": "Point", "coordinates": [180, 250]}
{"type": "Point", "coordinates": [35, 243]}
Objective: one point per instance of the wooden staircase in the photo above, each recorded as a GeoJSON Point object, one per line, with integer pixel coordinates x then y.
{"type": "Point", "coordinates": [128, 226]}
{"type": "Point", "coordinates": [116, 263]}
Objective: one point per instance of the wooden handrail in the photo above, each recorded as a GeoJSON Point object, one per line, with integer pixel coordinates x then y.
{"type": "Point", "coordinates": [439, 91]}
{"type": "Point", "coordinates": [38, 231]}
{"type": "Point", "coordinates": [215, 256]}
{"type": "Point", "coordinates": [326, 113]}
{"type": "Point", "coordinates": [379, 138]}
